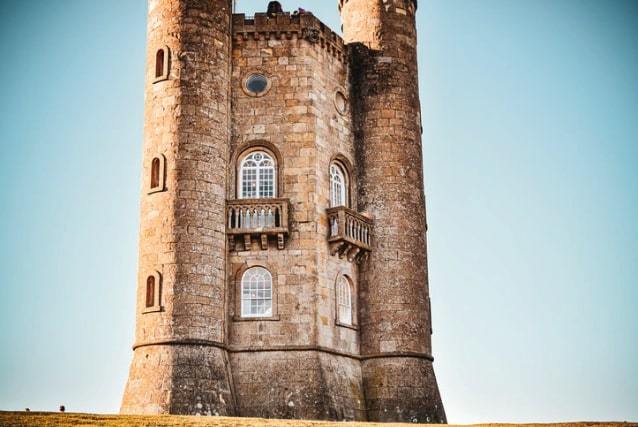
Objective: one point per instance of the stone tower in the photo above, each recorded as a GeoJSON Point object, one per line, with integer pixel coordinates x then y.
{"type": "Point", "coordinates": [282, 265]}
{"type": "Point", "coordinates": [395, 304]}
{"type": "Point", "coordinates": [180, 364]}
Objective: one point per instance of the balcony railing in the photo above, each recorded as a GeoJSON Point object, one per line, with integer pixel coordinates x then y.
{"type": "Point", "coordinates": [350, 233]}
{"type": "Point", "coordinates": [260, 217]}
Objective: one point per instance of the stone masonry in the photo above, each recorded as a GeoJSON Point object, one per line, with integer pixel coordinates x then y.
{"type": "Point", "coordinates": [324, 101]}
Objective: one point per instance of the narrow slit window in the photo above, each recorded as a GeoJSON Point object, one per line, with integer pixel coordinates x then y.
{"type": "Point", "coordinates": [156, 179]}
{"type": "Point", "coordinates": [155, 173]}
{"type": "Point", "coordinates": [159, 63]}
{"type": "Point", "coordinates": [162, 62]}
{"type": "Point", "coordinates": [150, 291]}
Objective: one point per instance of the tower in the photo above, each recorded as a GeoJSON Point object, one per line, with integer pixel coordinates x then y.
{"type": "Point", "coordinates": [180, 364]}
{"type": "Point", "coordinates": [395, 306]}
{"type": "Point", "coordinates": [278, 276]}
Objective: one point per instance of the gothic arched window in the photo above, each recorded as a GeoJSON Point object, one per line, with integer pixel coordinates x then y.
{"type": "Point", "coordinates": [344, 301]}
{"type": "Point", "coordinates": [338, 186]}
{"type": "Point", "coordinates": [257, 176]}
{"type": "Point", "coordinates": [256, 293]}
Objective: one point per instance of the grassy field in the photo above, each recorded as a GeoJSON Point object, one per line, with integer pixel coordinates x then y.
{"type": "Point", "coordinates": [11, 419]}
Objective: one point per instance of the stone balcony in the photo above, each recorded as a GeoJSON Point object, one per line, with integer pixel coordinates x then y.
{"type": "Point", "coordinates": [350, 233]}
{"type": "Point", "coordinates": [257, 217]}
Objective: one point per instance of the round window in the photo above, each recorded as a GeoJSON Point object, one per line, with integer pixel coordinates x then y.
{"type": "Point", "coordinates": [341, 102]}
{"type": "Point", "coordinates": [257, 84]}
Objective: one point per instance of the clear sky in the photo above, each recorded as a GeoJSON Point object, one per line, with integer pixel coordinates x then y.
{"type": "Point", "coordinates": [530, 112]}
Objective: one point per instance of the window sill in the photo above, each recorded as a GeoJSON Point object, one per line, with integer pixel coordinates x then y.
{"type": "Point", "coordinates": [160, 78]}
{"type": "Point", "coordinates": [156, 190]}
{"type": "Point", "coordinates": [344, 325]}
{"type": "Point", "coordinates": [260, 319]}
{"type": "Point", "coordinates": [154, 309]}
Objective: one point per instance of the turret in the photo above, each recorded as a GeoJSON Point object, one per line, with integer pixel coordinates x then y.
{"type": "Point", "coordinates": [398, 378]}
{"type": "Point", "coordinates": [180, 363]}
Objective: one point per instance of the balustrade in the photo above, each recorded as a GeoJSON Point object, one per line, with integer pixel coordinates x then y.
{"type": "Point", "coordinates": [350, 233]}
{"type": "Point", "coordinates": [263, 217]}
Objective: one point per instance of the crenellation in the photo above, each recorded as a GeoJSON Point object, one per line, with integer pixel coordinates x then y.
{"type": "Point", "coordinates": [286, 26]}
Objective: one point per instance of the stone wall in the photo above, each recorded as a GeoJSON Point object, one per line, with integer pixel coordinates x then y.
{"type": "Point", "coordinates": [182, 233]}
{"type": "Point", "coordinates": [297, 121]}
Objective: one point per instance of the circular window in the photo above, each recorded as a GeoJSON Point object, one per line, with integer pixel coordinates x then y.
{"type": "Point", "coordinates": [256, 84]}
{"type": "Point", "coordinates": [341, 102]}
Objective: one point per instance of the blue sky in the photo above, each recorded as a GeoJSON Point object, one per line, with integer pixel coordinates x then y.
{"type": "Point", "coordinates": [530, 115]}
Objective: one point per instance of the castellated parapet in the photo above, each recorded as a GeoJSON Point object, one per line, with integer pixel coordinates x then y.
{"type": "Point", "coordinates": [282, 265]}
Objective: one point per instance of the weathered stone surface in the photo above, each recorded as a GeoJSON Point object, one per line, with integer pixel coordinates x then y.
{"type": "Point", "coordinates": [395, 312]}
{"type": "Point", "coordinates": [182, 229]}
{"type": "Point", "coordinates": [194, 353]}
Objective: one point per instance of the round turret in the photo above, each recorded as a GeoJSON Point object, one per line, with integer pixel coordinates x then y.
{"type": "Point", "coordinates": [180, 362]}
{"type": "Point", "coordinates": [398, 377]}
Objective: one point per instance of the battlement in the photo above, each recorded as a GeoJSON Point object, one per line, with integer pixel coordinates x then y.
{"type": "Point", "coordinates": [288, 26]}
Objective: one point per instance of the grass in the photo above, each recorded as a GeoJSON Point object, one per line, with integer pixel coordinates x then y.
{"type": "Point", "coordinates": [11, 419]}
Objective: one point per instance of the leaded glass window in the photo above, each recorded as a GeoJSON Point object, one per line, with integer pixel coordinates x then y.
{"type": "Point", "coordinates": [337, 186]}
{"type": "Point", "coordinates": [256, 293]}
{"type": "Point", "coordinates": [257, 176]}
{"type": "Point", "coordinates": [344, 301]}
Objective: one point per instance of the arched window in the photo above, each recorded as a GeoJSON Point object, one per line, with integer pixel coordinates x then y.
{"type": "Point", "coordinates": [257, 175]}
{"type": "Point", "coordinates": [155, 173]}
{"type": "Point", "coordinates": [159, 63]}
{"type": "Point", "coordinates": [150, 291]}
{"type": "Point", "coordinates": [344, 301]}
{"type": "Point", "coordinates": [162, 64]}
{"type": "Point", "coordinates": [256, 293]}
{"type": "Point", "coordinates": [338, 186]}
{"type": "Point", "coordinates": [156, 180]}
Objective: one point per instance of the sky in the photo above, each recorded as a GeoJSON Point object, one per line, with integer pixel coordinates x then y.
{"type": "Point", "coordinates": [530, 114]}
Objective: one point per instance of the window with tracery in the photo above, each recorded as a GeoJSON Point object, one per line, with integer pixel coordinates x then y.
{"type": "Point", "coordinates": [256, 293]}
{"type": "Point", "coordinates": [257, 176]}
{"type": "Point", "coordinates": [344, 301]}
{"type": "Point", "coordinates": [338, 186]}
